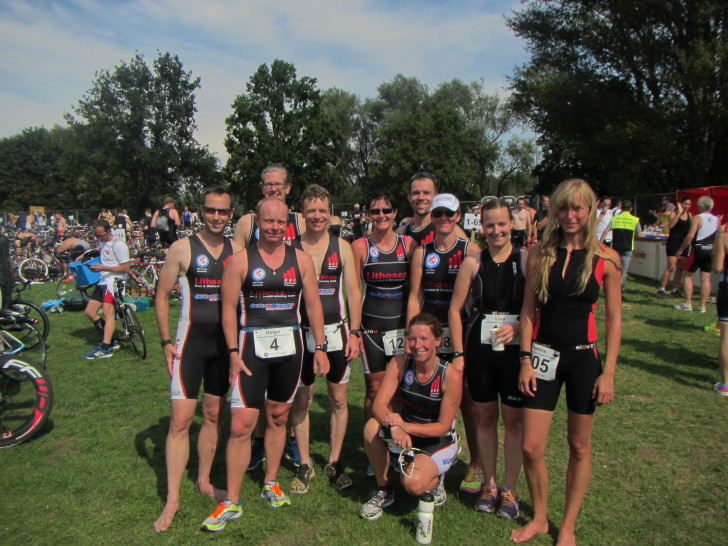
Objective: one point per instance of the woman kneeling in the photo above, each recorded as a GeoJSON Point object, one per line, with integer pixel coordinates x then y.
{"type": "Point", "coordinates": [415, 411]}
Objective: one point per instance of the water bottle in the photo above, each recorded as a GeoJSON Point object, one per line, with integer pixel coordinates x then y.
{"type": "Point", "coordinates": [425, 518]}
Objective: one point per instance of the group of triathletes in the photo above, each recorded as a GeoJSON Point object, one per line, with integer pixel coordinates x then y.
{"type": "Point", "coordinates": [440, 324]}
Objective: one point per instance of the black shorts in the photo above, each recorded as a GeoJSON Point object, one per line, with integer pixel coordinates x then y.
{"type": "Point", "coordinates": [519, 237]}
{"type": "Point", "coordinates": [579, 370]}
{"type": "Point", "coordinates": [722, 303]}
{"type": "Point", "coordinates": [492, 373]}
{"type": "Point", "coordinates": [374, 359]}
{"type": "Point", "coordinates": [273, 378]}
{"type": "Point", "coordinates": [102, 294]}
{"type": "Point", "coordinates": [673, 245]}
{"type": "Point", "coordinates": [339, 370]}
{"type": "Point", "coordinates": [204, 356]}
{"type": "Point", "coordinates": [702, 259]}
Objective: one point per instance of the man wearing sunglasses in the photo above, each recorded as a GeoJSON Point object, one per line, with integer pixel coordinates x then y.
{"type": "Point", "coordinates": [199, 351]}
{"type": "Point", "coordinates": [423, 188]}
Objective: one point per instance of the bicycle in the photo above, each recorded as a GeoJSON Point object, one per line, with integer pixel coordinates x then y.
{"type": "Point", "coordinates": [18, 335]}
{"type": "Point", "coordinates": [131, 328]}
{"type": "Point", "coordinates": [26, 399]}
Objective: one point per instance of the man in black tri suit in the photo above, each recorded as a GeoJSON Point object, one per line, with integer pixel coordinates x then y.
{"type": "Point", "coordinates": [267, 280]}
{"type": "Point", "coordinates": [335, 269]}
{"type": "Point", "coordinates": [423, 188]}
{"type": "Point", "coordinates": [199, 351]}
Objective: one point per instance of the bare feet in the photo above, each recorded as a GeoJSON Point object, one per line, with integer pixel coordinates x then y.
{"type": "Point", "coordinates": [528, 531]}
{"type": "Point", "coordinates": [165, 520]}
{"type": "Point", "coordinates": [566, 538]}
{"type": "Point", "coordinates": [210, 491]}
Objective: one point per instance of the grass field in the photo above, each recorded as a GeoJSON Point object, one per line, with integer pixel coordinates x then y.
{"type": "Point", "coordinates": [96, 472]}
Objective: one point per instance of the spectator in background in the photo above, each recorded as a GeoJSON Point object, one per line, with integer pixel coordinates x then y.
{"type": "Point", "coordinates": [187, 217]}
{"type": "Point", "coordinates": [624, 227]}
{"type": "Point", "coordinates": [542, 216]}
{"type": "Point", "coordinates": [150, 234]}
{"type": "Point", "coordinates": [166, 221]}
{"type": "Point", "coordinates": [59, 222]}
{"type": "Point", "coordinates": [604, 216]}
{"type": "Point", "coordinates": [679, 225]}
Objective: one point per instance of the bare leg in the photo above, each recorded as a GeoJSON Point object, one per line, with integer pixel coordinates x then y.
{"type": "Point", "coordinates": [212, 407]}
{"type": "Point", "coordinates": [377, 452]}
{"type": "Point", "coordinates": [679, 272]}
{"type": "Point", "coordinates": [723, 352]}
{"type": "Point", "coordinates": [110, 318]}
{"type": "Point", "coordinates": [300, 422]}
{"type": "Point", "coordinates": [470, 423]}
{"type": "Point", "coordinates": [578, 473]}
{"type": "Point", "coordinates": [275, 437]}
{"type": "Point", "coordinates": [242, 424]}
{"type": "Point", "coordinates": [704, 288]}
{"type": "Point", "coordinates": [373, 382]}
{"type": "Point", "coordinates": [486, 417]}
{"type": "Point", "coordinates": [688, 287]}
{"type": "Point", "coordinates": [339, 418]}
{"type": "Point", "coordinates": [177, 453]}
{"type": "Point", "coordinates": [424, 476]}
{"type": "Point", "coordinates": [536, 424]}
{"type": "Point", "coordinates": [513, 423]}
{"type": "Point", "coordinates": [671, 262]}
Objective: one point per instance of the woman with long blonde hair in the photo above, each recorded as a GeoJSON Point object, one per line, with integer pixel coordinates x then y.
{"type": "Point", "coordinates": [558, 345]}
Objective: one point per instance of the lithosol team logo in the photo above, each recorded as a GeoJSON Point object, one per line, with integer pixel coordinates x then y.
{"type": "Point", "coordinates": [432, 261]}
{"type": "Point", "coordinates": [202, 260]}
{"type": "Point", "coordinates": [374, 252]}
{"type": "Point", "coordinates": [258, 274]}
{"type": "Point", "coordinates": [409, 377]}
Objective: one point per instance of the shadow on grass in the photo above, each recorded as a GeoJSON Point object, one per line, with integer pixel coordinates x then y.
{"type": "Point", "coordinates": [663, 362]}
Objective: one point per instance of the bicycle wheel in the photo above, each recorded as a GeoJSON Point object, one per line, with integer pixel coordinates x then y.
{"type": "Point", "coordinates": [27, 343]}
{"type": "Point", "coordinates": [132, 287]}
{"type": "Point", "coordinates": [26, 399]}
{"type": "Point", "coordinates": [31, 310]}
{"type": "Point", "coordinates": [135, 332]}
{"type": "Point", "coordinates": [33, 270]}
{"type": "Point", "coordinates": [65, 286]}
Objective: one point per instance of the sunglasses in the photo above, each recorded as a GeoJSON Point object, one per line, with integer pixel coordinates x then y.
{"type": "Point", "coordinates": [422, 174]}
{"type": "Point", "coordinates": [439, 213]}
{"type": "Point", "coordinates": [212, 210]}
{"type": "Point", "coordinates": [271, 185]}
{"type": "Point", "coordinates": [375, 212]}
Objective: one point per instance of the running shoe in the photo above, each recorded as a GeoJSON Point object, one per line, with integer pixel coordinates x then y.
{"type": "Point", "coordinates": [272, 492]}
{"type": "Point", "coordinates": [114, 345]}
{"type": "Point", "coordinates": [721, 388]}
{"type": "Point", "coordinates": [676, 293]}
{"type": "Point", "coordinates": [713, 300]}
{"type": "Point", "coordinates": [509, 504]}
{"type": "Point", "coordinates": [257, 455]}
{"type": "Point", "coordinates": [291, 452]}
{"type": "Point", "coordinates": [684, 307]}
{"type": "Point", "coordinates": [488, 498]}
{"type": "Point", "coordinates": [370, 471]}
{"type": "Point", "coordinates": [225, 511]}
{"type": "Point", "coordinates": [304, 474]}
{"type": "Point", "coordinates": [338, 478]}
{"type": "Point", "coordinates": [473, 481]}
{"type": "Point", "coordinates": [439, 492]}
{"type": "Point", "coordinates": [701, 309]}
{"type": "Point", "coordinates": [98, 352]}
{"type": "Point", "coordinates": [374, 506]}
{"type": "Point", "coordinates": [661, 295]}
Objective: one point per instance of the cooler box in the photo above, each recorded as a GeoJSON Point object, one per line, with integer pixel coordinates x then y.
{"type": "Point", "coordinates": [139, 304]}
{"type": "Point", "coordinates": [83, 275]}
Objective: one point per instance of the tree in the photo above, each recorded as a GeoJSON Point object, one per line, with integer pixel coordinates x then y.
{"type": "Point", "coordinates": [629, 95]}
{"type": "Point", "coordinates": [137, 131]}
{"type": "Point", "coordinates": [280, 119]}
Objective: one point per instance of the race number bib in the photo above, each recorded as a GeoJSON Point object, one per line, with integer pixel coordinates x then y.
{"type": "Point", "coordinates": [274, 342]}
{"type": "Point", "coordinates": [544, 361]}
{"type": "Point", "coordinates": [393, 341]}
{"type": "Point", "coordinates": [496, 321]}
{"type": "Point", "coordinates": [446, 347]}
{"type": "Point", "coordinates": [333, 339]}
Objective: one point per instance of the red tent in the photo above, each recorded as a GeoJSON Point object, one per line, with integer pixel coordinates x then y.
{"type": "Point", "coordinates": [718, 193]}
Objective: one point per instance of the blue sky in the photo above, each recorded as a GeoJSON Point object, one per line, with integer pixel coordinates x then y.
{"type": "Point", "coordinates": [50, 50]}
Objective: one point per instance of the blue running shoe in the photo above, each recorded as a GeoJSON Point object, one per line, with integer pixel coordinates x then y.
{"type": "Point", "coordinates": [257, 455]}
{"type": "Point", "coordinates": [291, 453]}
{"type": "Point", "coordinates": [98, 352]}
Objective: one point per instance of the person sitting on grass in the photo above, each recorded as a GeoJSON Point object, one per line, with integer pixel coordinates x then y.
{"type": "Point", "coordinates": [415, 409]}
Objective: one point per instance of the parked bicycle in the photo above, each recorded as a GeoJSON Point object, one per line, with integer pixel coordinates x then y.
{"type": "Point", "coordinates": [130, 328]}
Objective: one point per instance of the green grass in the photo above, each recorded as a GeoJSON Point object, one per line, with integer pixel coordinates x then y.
{"type": "Point", "coordinates": [96, 471]}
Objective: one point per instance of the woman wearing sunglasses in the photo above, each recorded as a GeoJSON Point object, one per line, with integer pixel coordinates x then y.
{"type": "Point", "coordinates": [415, 408]}
{"type": "Point", "coordinates": [382, 260]}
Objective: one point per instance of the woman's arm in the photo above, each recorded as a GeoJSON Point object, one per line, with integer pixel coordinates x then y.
{"type": "Point", "coordinates": [527, 377]}
{"type": "Point", "coordinates": [463, 282]}
{"type": "Point", "coordinates": [603, 392]}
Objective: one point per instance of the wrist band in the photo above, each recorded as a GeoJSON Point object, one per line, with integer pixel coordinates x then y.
{"type": "Point", "coordinates": [523, 354]}
{"type": "Point", "coordinates": [232, 350]}
{"type": "Point", "coordinates": [166, 342]}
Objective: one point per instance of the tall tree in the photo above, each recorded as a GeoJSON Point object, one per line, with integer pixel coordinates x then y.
{"type": "Point", "coordinates": [280, 119]}
{"type": "Point", "coordinates": [137, 124]}
{"type": "Point", "coordinates": [630, 95]}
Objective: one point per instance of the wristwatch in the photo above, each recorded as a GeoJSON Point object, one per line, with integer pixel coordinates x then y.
{"type": "Point", "coordinates": [356, 331]}
{"type": "Point", "coordinates": [323, 347]}
{"type": "Point", "coordinates": [456, 354]}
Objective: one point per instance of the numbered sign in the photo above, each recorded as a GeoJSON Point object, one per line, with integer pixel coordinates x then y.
{"type": "Point", "coordinates": [544, 361]}
{"type": "Point", "coordinates": [333, 338]}
{"type": "Point", "coordinates": [393, 341]}
{"type": "Point", "coordinates": [496, 321]}
{"type": "Point", "coordinates": [274, 342]}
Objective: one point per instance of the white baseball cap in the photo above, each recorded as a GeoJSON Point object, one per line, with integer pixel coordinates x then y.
{"type": "Point", "coordinates": [445, 201]}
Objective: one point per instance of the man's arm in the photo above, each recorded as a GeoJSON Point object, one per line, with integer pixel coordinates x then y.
{"type": "Point", "coordinates": [417, 292]}
{"type": "Point", "coordinates": [353, 298]}
{"type": "Point", "coordinates": [695, 224]}
{"type": "Point", "coordinates": [242, 230]}
{"type": "Point", "coordinates": [314, 310]}
{"type": "Point", "coordinates": [232, 282]}
{"type": "Point", "coordinates": [175, 264]}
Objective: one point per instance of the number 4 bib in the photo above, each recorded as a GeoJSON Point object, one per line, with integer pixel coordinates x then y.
{"type": "Point", "coordinates": [274, 342]}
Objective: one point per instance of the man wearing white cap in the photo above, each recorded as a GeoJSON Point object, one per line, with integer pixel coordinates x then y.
{"type": "Point", "coordinates": [435, 266]}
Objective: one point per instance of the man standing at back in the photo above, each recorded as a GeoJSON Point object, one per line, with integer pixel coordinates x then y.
{"type": "Point", "coordinates": [199, 352]}
{"type": "Point", "coordinates": [604, 217]}
{"type": "Point", "coordinates": [624, 226]}
{"type": "Point", "coordinates": [521, 234]}
{"type": "Point", "coordinates": [166, 221]}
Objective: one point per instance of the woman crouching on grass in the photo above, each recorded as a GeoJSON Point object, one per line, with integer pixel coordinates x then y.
{"type": "Point", "coordinates": [415, 407]}
{"type": "Point", "coordinates": [558, 345]}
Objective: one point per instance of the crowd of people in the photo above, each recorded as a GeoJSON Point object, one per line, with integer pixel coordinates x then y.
{"type": "Point", "coordinates": [441, 325]}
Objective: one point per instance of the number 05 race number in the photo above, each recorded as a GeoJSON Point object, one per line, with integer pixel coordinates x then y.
{"type": "Point", "coordinates": [544, 361]}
